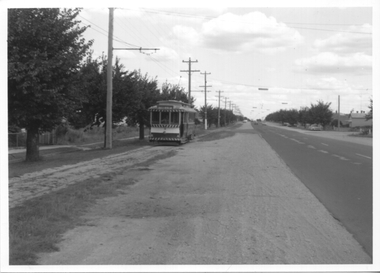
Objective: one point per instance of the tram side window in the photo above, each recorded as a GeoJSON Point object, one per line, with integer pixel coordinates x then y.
{"type": "Point", "coordinates": [175, 118]}
{"type": "Point", "coordinates": [191, 117]}
{"type": "Point", "coordinates": [164, 117]}
{"type": "Point", "coordinates": [185, 117]}
{"type": "Point", "coordinates": [155, 117]}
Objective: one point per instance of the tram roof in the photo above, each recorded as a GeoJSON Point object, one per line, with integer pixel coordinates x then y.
{"type": "Point", "coordinates": [173, 105]}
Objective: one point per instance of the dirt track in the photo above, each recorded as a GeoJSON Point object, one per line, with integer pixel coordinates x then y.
{"type": "Point", "coordinates": [226, 201]}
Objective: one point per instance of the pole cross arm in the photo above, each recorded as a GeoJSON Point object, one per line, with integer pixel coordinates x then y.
{"type": "Point", "coordinates": [135, 48]}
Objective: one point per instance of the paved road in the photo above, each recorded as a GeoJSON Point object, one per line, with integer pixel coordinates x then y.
{"type": "Point", "coordinates": [338, 173]}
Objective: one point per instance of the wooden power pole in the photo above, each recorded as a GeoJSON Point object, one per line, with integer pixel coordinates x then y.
{"type": "Point", "coordinates": [108, 144]}
{"type": "Point", "coordinates": [205, 86]}
{"type": "Point", "coordinates": [190, 61]}
{"type": "Point", "coordinates": [219, 107]}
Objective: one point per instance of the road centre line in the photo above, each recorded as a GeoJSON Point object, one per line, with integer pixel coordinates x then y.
{"type": "Point", "coordinates": [340, 157]}
{"type": "Point", "coordinates": [299, 142]}
{"type": "Point", "coordinates": [311, 146]}
{"type": "Point", "coordinates": [322, 151]}
{"type": "Point", "coordinates": [364, 156]}
{"type": "Point", "coordinates": [325, 144]}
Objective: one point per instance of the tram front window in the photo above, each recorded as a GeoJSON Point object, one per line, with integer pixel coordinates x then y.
{"type": "Point", "coordinates": [175, 118]}
{"type": "Point", "coordinates": [164, 117]}
{"type": "Point", "coordinates": [155, 117]}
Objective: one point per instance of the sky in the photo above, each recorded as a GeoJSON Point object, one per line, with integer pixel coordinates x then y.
{"type": "Point", "coordinates": [300, 55]}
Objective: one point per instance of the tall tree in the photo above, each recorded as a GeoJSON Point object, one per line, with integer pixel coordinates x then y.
{"type": "Point", "coordinates": [146, 95]}
{"type": "Point", "coordinates": [174, 92]}
{"type": "Point", "coordinates": [369, 115]}
{"type": "Point", "coordinates": [304, 116]}
{"type": "Point", "coordinates": [45, 48]}
{"type": "Point", "coordinates": [320, 113]}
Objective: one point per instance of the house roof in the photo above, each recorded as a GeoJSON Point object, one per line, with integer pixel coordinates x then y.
{"type": "Point", "coordinates": [358, 115]}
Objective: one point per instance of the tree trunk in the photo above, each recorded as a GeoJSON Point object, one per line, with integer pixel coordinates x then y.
{"type": "Point", "coordinates": [32, 150]}
{"type": "Point", "coordinates": [141, 131]}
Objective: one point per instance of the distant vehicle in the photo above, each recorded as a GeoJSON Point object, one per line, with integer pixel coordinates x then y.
{"type": "Point", "coordinates": [286, 124]}
{"type": "Point", "coordinates": [245, 121]}
{"type": "Point", "coordinates": [315, 127]}
{"type": "Point", "coordinates": [264, 123]}
{"type": "Point", "coordinates": [255, 123]}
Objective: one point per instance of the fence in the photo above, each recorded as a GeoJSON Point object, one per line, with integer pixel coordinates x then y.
{"type": "Point", "coordinates": [16, 140]}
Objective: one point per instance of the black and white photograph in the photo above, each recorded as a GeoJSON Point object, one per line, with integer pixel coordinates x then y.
{"type": "Point", "coordinates": [202, 136]}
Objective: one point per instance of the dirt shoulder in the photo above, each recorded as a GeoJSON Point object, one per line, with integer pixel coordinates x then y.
{"type": "Point", "coordinates": [223, 201]}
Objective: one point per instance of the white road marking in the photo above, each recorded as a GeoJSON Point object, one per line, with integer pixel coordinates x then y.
{"type": "Point", "coordinates": [364, 156]}
{"type": "Point", "coordinates": [322, 151]}
{"type": "Point", "coordinates": [311, 146]}
{"type": "Point", "coordinates": [284, 136]}
{"type": "Point", "coordinates": [340, 157]}
{"type": "Point", "coordinates": [357, 163]}
{"type": "Point", "coordinates": [325, 144]}
{"type": "Point", "coordinates": [299, 142]}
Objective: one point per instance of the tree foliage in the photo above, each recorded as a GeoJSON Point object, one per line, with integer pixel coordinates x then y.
{"type": "Point", "coordinates": [319, 113]}
{"type": "Point", "coordinates": [369, 115]}
{"type": "Point", "coordinates": [45, 49]}
{"type": "Point", "coordinates": [226, 116]}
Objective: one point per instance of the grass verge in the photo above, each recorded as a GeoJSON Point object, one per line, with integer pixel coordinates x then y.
{"type": "Point", "coordinates": [37, 225]}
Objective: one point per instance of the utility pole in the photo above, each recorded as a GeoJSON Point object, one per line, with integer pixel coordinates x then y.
{"type": "Point", "coordinates": [338, 112]}
{"type": "Point", "coordinates": [108, 144]}
{"type": "Point", "coordinates": [225, 111]}
{"type": "Point", "coordinates": [205, 86]}
{"type": "Point", "coordinates": [219, 107]}
{"type": "Point", "coordinates": [190, 61]}
{"type": "Point", "coordinates": [229, 118]}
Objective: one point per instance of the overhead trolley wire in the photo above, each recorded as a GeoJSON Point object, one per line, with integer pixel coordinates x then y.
{"type": "Point", "coordinates": [290, 23]}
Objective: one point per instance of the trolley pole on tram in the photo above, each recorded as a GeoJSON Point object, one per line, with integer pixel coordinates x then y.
{"type": "Point", "coordinates": [205, 86]}
{"type": "Point", "coordinates": [190, 61]}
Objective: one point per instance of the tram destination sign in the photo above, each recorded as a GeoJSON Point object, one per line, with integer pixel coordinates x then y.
{"type": "Point", "coordinates": [166, 107]}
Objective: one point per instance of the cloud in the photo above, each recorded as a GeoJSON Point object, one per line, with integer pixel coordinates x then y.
{"type": "Point", "coordinates": [348, 43]}
{"type": "Point", "coordinates": [240, 33]}
{"type": "Point", "coordinates": [184, 34]}
{"type": "Point", "coordinates": [328, 62]}
{"type": "Point", "coordinates": [164, 54]}
{"type": "Point", "coordinates": [328, 83]}
{"type": "Point", "coordinates": [252, 31]}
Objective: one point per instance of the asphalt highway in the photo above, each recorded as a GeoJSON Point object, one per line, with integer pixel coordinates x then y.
{"type": "Point", "coordinates": [337, 172]}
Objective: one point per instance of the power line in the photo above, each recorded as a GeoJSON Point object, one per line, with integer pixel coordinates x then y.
{"type": "Point", "coordinates": [268, 86]}
{"type": "Point", "coordinates": [115, 38]}
{"type": "Point", "coordinates": [214, 17]}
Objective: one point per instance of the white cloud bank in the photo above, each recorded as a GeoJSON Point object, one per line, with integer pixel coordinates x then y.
{"type": "Point", "coordinates": [358, 40]}
{"type": "Point", "coordinates": [329, 62]}
{"type": "Point", "coordinates": [240, 33]}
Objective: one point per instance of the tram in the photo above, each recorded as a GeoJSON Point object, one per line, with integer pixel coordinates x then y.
{"type": "Point", "coordinates": [172, 121]}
